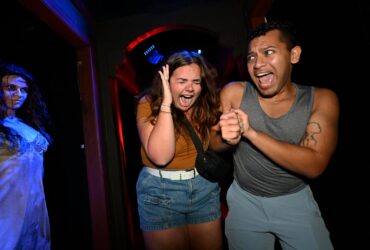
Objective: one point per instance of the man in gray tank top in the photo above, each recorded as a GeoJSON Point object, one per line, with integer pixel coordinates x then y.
{"type": "Point", "coordinates": [281, 134]}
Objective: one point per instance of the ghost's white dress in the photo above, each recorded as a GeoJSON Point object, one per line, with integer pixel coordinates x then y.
{"type": "Point", "coordinates": [24, 221]}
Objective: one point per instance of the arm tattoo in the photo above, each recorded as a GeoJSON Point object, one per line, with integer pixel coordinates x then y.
{"type": "Point", "coordinates": [309, 138]}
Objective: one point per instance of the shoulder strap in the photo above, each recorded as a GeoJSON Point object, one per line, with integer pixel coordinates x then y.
{"type": "Point", "coordinates": [197, 143]}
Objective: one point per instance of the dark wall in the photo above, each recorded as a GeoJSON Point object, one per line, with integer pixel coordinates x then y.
{"type": "Point", "coordinates": [27, 41]}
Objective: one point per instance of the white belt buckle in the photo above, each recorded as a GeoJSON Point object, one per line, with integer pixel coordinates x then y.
{"type": "Point", "coordinates": [177, 174]}
{"type": "Point", "coordinates": [174, 174]}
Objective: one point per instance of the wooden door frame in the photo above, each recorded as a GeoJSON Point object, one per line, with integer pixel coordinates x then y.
{"type": "Point", "coordinates": [64, 18]}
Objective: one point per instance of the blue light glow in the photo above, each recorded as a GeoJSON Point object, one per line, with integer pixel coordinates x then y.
{"type": "Point", "coordinates": [155, 57]}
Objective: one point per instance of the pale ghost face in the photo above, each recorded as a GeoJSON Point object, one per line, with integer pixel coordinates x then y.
{"type": "Point", "coordinates": [185, 85]}
{"type": "Point", "coordinates": [15, 91]}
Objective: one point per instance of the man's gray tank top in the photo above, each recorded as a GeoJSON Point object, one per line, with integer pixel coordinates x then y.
{"type": "Point", "coordinates": [256, 173]}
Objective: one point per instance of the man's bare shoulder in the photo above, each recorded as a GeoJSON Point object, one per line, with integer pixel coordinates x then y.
{"type": "Point", "coordinates": [324, 95]}
{"type": "Point", "coordinates": [233, 88]}
{"type": "Point", "coordinates": [236, 85]}
{"type": "Point", "coordinates": [326, 99]}
{"type": "Point", "coordinates": [232, 94]}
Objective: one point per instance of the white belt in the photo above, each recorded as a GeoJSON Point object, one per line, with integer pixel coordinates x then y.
{"type": "Point", "coordinates": [175, 175]}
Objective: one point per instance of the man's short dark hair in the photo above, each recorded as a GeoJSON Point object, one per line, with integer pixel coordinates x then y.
{"type": "Point", "coordinates": [288, 33]}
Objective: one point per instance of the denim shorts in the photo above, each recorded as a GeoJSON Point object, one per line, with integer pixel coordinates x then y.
{"type": "Point", "coordinates": [165, 203]}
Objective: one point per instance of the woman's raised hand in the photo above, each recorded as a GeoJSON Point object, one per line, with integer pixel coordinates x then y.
{"type": "Point", "coordinates": [165, 76]}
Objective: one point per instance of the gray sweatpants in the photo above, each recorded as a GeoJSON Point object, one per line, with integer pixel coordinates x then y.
{"type": "Point", "coordinates": [295, 219]}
